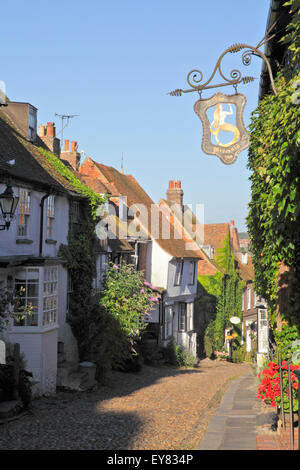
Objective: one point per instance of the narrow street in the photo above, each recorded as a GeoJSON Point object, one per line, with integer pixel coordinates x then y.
{"type": "Point", "coordinates": [158, 408]}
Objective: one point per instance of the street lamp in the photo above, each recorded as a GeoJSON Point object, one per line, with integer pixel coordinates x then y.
{"type": "Point", "coordinates": [8, 205]}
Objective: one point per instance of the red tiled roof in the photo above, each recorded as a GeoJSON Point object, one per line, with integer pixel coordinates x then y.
{"type": "Point", "coordinates": [215, 234]}
{"type": "Point", "coordinates": [30, 165]}
{"type": "Point", "coordinates": [126, 185]}
{"type": "Point", "coordinates": [246, 270]}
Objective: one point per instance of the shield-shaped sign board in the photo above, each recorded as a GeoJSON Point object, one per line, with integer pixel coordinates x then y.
{"type": "Point", "coordinates": [224, 133]}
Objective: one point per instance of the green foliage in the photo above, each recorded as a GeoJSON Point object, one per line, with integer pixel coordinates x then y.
{"type": "Point", "coordinates": [79, 254]}
{"type": "Point", "coordinates": [95, 199]}
{"type": "Point", "coordinates": [284, 340]}
{"type": "Point", "coordinates": [292, 38]}
{"type": "Point", "coordinates": [208, 345]}
{"type": "Point", "coordinates": [178, 356]}
{"type": "Point", "coordinates": [128, 298]}
{"type": "Point", "coordinates": [106, 339]}
{"type": "Point", "coordinates": [226, 290]}
{"type": "Point", "coordinates": [275, 201]}
{"type": "Point", "coordinates": [230, 301]}
{"type": "Point", "coordinates": [118, 321]}
{"type": "Point", "coordinates": [239, 354]}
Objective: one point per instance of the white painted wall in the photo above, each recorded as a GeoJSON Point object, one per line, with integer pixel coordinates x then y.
{"type": "Point", "coordinates": [9, 238]}
{"type": "Point", "coordinates": [40, 350]}
{"type": "Point", "coordinates": [39, 343]}
{"type": "Point", "coordinates": [184, 289]}
{"type": "Point", "coordinates": [159, 265]}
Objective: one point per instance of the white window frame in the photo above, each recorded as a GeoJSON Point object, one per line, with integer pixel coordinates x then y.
{"type": "Point", "coordinates": [47, 297]}
{"type": "Point", "coordinates": [50, 294]}
{"type": "Point", "coordinates": [192, 273]}
{"type": "Point", "coordinates": [50, 217]}
{"type": "Point", "coordinates": [168, 321]}
{"type": "Point", "coordinates": [27, 285]}
{"type": "Point", "coordinates": [182, 317]}
{"type": "Point", "coordinates": [32, 123]}
{"type": "Point", "coordinates": [262, 330]}
{"type": "Point", "coordinates": [178, 273]}
{"type": "Point", "coordinates": [248, 298]}
{"type": "Point", "coordinates": [23, 213]}
{"type": "Point", "coordinates": [190, 316]}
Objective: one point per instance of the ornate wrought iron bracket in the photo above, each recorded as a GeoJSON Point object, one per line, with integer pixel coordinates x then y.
{"type": "Point", "coordinates": [195, 76]}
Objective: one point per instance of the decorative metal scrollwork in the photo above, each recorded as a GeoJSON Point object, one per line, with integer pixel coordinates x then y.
{"type": "Point", "coordinates": [195, 76]}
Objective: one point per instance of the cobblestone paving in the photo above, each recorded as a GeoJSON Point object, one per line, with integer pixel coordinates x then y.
{"type": "Point", "coordinates": [157, 408]}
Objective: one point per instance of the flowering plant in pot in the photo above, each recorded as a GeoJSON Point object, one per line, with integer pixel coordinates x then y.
{"type": "Point", "coordinates": [269, 387]}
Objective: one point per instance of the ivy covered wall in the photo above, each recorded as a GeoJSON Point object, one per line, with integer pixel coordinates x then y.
{"type": "Point", "coordinates": [219, 298]}
{"type": "Point", "coordinates": [274, 215]}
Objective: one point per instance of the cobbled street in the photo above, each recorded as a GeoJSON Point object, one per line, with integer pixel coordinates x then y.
{"type": "Point", "coordinates": [157, 408]}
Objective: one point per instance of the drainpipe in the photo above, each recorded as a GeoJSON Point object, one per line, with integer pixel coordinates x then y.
{"type": "Point", "coordinates": [42, 223]}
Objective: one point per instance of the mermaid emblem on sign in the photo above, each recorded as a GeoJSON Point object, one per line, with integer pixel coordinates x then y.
{"type": "Point", "coordinates": [219, 124]}
{"type": "Point", "coordinates": [224, 133]}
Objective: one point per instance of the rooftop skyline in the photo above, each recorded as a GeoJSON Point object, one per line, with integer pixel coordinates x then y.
{"type": "Point", "coordinates": [112, 65]}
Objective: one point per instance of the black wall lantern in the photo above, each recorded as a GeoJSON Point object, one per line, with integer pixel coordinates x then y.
{"type": "Point", "coordinates": [8, 205]}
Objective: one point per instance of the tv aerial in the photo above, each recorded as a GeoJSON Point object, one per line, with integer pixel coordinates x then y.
{"type": "Point", "coordinates": [64, 117]}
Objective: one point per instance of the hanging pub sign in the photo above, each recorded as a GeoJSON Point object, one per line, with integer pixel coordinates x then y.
{"type": "Point", "coordinates": [224, 133]}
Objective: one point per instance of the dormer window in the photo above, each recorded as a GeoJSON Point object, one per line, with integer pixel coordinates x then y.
{"type": "Point", "coordinates": [32, 124]}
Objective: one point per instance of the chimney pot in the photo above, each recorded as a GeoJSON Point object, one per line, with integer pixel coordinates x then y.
{"type": "Point", "coordinates": [67, 144]}
{"type": "Point", "coordinates": [178, 184]}
{"type": "Point", "coordinates": [171, 184]}
{"type": "Point", "coordinates": [74, 146]}
{"type": "Point", "coordinates": [51, 129]}
{"type": "Point", "coordinates": [42, 130]}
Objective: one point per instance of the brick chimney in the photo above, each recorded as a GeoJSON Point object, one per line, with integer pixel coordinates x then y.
{"type": "Point", "coordinates": [71, 156]}
{"type": "Point", "coordinates": [175, 193]}
{"type": "Point", "coordinates": [234, 236]}
{"type": "Point", "coordinates": [47, 134]}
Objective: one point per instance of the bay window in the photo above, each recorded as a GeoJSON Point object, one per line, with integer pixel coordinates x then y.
{"type": "Point", "coordinates": [36, 296]}
{"type": "Point", "coordinates": [50, 296]}
{"type": "Point", "coordinates": [27, 291]}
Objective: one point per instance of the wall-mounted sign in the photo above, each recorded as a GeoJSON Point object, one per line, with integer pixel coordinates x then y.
{"type": "Point", "coordinates": [224, 133]}
{"type": "Point", "coordinates": [235, 320]}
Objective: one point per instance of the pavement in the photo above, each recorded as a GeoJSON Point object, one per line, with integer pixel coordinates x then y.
{"type": "Point", "coordinates": [242, 422]}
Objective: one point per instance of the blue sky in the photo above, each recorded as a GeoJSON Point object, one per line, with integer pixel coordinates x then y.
{"type": "Point", "coordinates": [112, 63]}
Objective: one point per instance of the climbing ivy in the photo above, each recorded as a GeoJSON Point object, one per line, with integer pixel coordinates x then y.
{"type": "Point", "coordinates": [94, 199]}
{"type": "Point", "coordinates": [80, 257]}
{"type": "Point", "coordinates": [274, 211]}
{"type": "Point", "coordinates": [274, 215]}
{"type": "Point", "coordinates": [224, 292]}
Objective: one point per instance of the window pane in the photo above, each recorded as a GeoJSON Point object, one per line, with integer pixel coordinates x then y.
{"type": "Point", "coordinates": [182, 316]}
